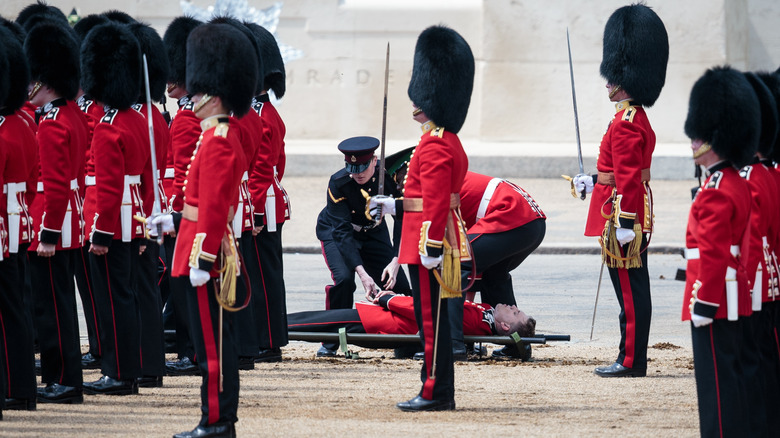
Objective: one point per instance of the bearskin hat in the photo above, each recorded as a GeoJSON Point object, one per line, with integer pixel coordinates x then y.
{"type": "Point", "coordinates": [18, 71]}
{"type": "Point", "coordinates": [442, 77]}
{"type": "Point", "coordinates": [16, 30]}
{"type": "Point", "coordinates": [175, 40]}
{"type": "Point", "coordinates": [772, 81]}
{"type": "Point", "coordinates": [222, 62]}
{"type": "Point", "coordinates": [156, 59]}
{"type": "Point", "coordinates": [111, 65]}
{"type": "Point", "coordinates": [724, 111]}
{"type": "Point", "coordinates": [53, 56]}
{"type": "Point", "coordinates": [636, 51]}
{"type": "Point", "coordinates": [769, 115]}
{"type": "Point", "coordinates": [255, 45]}
{"type": "Point", "coordinates": [4, 83]}
{"type": "Point", "coordinates": [39, 12]}
{"type": "Point", "coordinates": [273, 76]}
{"type": "Point", "coordinates": [118, 16]}
{"type": "Point", "coordinates": [83, 26]}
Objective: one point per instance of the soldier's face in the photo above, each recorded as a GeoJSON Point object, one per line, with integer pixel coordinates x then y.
{"type": "Point", "coordinates": [363, 177]}
{"type": "Point", "coordinates": [418, 115]}
{"type": "Point", "coordinates": [509, 315]}
{"type": "Point", "coordinates": [702, 153]}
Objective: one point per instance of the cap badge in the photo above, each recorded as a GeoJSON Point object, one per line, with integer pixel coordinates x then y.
{"type": "Point", "coordinates": [353, 159]}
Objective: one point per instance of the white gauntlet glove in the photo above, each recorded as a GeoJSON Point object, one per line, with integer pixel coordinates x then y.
{"type": "Point", "coordinates": [430, 262]}
{"type": "Point", "coordinates": [386, 203]}
{"type": "Point", "coordinates": [198, 277]}
{"type": "Point", "coordinates": [583, 182]}
{"type": "Point", "coordinates": [624, 235]}
{"type": "Point", "coordinates": [699, 321]}
{"type": "Point", "coordinates": [165, 220]}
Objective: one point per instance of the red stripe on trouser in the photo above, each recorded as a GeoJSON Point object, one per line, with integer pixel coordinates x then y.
{"type": "Point", "coordinates": [57, 317]}
{"type": "Point", "coordinates": [717, 382]}
{"type": "Point", "coordinates": [332, 278]}
{"type": "Point", "coordinates": [630, 314]}
{"type": "Point", "coordinates": [265, 295]}
{"type": "Point", "coordinates": [113, 320]}
{"type": "Point", "coordinates": [429, 334]}
{"type": "Point", "coordinates": [212, 356]}
{"type": "Point", "coordinates": [92, 303]}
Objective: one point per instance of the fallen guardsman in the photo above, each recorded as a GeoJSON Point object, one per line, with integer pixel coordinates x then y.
{"type": "Point", "coordinates": [392, 314]}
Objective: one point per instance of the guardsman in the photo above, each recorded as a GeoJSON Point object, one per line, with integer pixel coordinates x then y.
{"type": "Point", "coordinates": [222, 75]}
{"type": "Point", "coordinates": [94, 112]}
{"type": "Point", "coordinates": [761, 260]}
{"type": "Point", "coordinates": [505, 225]}
{"type": "Point", "coordinates": [723, 124]}
{"type": "Point", "coordinates": [111, 75]}
{"type": "Point", "coordinates": [147, 281]}
{"type": "Point", "coordinates": [53, 55]}
{"type": "Point", "coordinates": [636, 50]}
{"type": "Point", "coordinates": [352, 241]}
{"type": "Point", "coordinates": [250, 129]}
{"type": "Point", "coordinates": [271, 205]}
{"type": "Point", "coordinates": [432, 234]}
{"type": "Point", "coordinates": [185, 130]}
{"type": "Point", "coordinates": [18, 172]}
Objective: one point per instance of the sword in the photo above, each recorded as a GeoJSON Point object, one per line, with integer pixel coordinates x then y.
{"type": "Point", "coordinates": [576, 117]}
{"type": "Point", "coordinates": [598, 288]}
{"type": "Point", "coordinates": [157, 207]}
{"type": "Point", "coordinates": [381, 188]}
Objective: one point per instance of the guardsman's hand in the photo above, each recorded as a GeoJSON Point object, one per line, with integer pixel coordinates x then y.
{"type": "Point", "coordinates": [624, 235]}
{"type": "Point", "coordinates": [699, 321]}
{"type": "Point", "coordinates": [430, 262]}
{"type": "Point", "coordinates": [256, 230]}
{"type": "Point", "coordinates": [381, 204]}
{"type": "Point", "coordinates": [46, 249]}
{"type": "Point", "coordinates": [164, 220]}
{"type": "Point", "coordinates": [368, 283]}
{"type": "Point", "coordinates": [583, 183]}
{"type": "Point", "coordinates": [198, 277]}
{"type": "Point", "coordinates": [391, 273]}
{"type": "Point", "coordinates": [98, 250]}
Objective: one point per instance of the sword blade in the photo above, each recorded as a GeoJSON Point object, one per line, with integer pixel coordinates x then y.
{"type": "Point", "coordinates": [157, 207]}
{"type": "Point", "coordinates": [574, 102]}
{"type": "Point", "coordinates": [381, 188]}
{"type": "Point", "coordinates": [598, 288]}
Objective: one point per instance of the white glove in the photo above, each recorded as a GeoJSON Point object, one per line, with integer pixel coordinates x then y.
{"type": "Point", "coordinates": [166, 220]}
{"type": "Point", "coordinates": [699, 320]}
{"type": "Point", "coordinates": [624, 235]}
{"type": "Point", "coordinates": [386, 203]}
{"type": "Point", "coordinates": [198, 277]}
{"type": "Point", "coordinates": [430, 262]}
{"type": "Point", "coordinates": [582, 183]}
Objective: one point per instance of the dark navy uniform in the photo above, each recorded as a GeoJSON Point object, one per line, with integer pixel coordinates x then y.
{"type": "Point", "coordinates": [349, 238]}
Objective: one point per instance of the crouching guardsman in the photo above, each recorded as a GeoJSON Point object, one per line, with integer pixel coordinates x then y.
{"type": "Point", "coordinates": [636, 51]}
{"type": "Point", "coordinates": [221, 75]}
{"type": "Point", "coordinates": [723, 124]}
{"type": "Point", "coordinates": [432, 235]}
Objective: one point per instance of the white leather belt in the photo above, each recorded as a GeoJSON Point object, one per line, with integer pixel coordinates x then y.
{"type": "Point", "coordinates": [74, 185]}
{"type": "Point", "coordinates": [126, 214]}
{"type": "Point", "coordinates": [14, 188]}
{"type": "Point", "coordinates": [169, 172]}
{"type": "Point", "coordinates": [89, 180]}
{"type": "Point", "coordinates": [483, 204]}
{"type": "Point", "coordinates": [691, 253]}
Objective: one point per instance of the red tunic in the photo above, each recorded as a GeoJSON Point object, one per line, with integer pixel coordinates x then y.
{"type": "Point", "coordinates": [505, 205]}
{"type": "Point", "coordinates": [93, 112]}
{"type": "Point", "coordinates": [265, 179]}
{"type": "Point", "coordinates": [20, 178]}
{"type": "Point", "coordinates": [764, 224]}
{"type": "Point", "coordinates": [250, 128]}
{"type": "Point", "coordinates": [123, 175]}
{"type": "Point", "coordinates": [626, 148]}
{"type": "Point", "coordinates": [399, 319]}
{"type": "Point", "coordinates": [211, 188]}
{"type": "Point", "coordinates": [185, 130]}
{"type": "Point", "coordinates": [436, 170]}
{"type": "Point", "coordinates": [62, 140]}
{"type": "Point", "coordinates": [718, 221]}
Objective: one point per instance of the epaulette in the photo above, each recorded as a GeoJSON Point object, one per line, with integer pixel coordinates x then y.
{"type": "Point", "coordinates": [221, 130]}
{"type": "Point", "coordinates": [438, 132]}
{"type": "Point", "coordinates": [746, 171]}
{"type": "Point", "coordinates": [85, 104]}
{"type": "Point", "coordinates": [109, 116]}
{"type": "Point", "coordinates": [52, 115]}
{"type": "Point", "coordinates": [138, 106]}
{"type": "Point", "coordinates": [714, 181]}
{"type": "Point", "coordinates": [257, 106]}
{"type": "Point", "coordinates": [2, 120]}
{"type": "Point", "coordinates": [189, 106]}
{"type": "Point", "coordinates": [628, 114]}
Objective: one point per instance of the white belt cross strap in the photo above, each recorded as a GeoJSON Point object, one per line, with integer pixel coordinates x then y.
{"type": "Point", "coordinates": [126, 214]}
{"type": "Point", "coordinates": [483, 204]}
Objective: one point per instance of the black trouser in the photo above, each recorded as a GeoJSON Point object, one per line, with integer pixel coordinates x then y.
{"type": "Point", "coordinates": [495, 256]}
{"type": "Point", "coordinates": [754, 378]}
{"type": "Point", "coordinates": [326, 321]}
{"type": "Point", "coordinates": [770, 361]}
{"type": "Point", "coordinates": [427, 309]}
{"type": "Point", "coordinates": [632, 288]}
{"type": "Point", "coordinates": [720, 383]}
{"type": "Point", "coordinates": [16, 334]}
{"type": "Point", "coordinates": [376, 252]}
{"type": "Point", "coordinates": [204, 314]}
{"type": "Point", "coordinates": [117, 304]}
{"type": "Point", "coordinates": [56, 317]}
{"type": "Point", "coordinates": [247, 342]}
{"type": "Point", "coordinates": [177, 302]}
{"type": "Point", "coordinates": [269, 298]}
{"type": "Point", "coordinates": [150, 306]}
{"type": "Point", "coordinates": [84, 284]}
